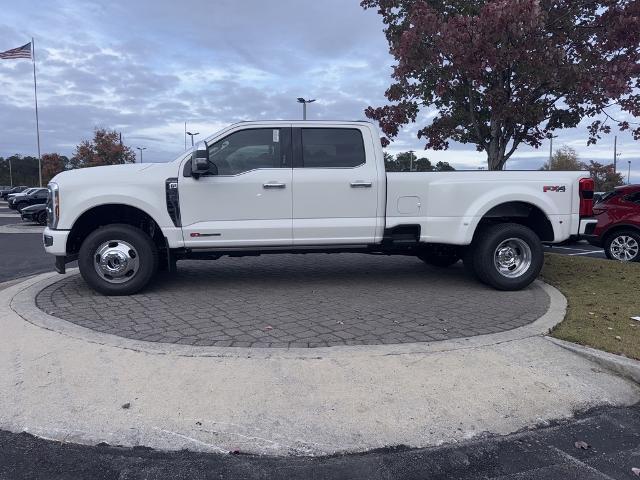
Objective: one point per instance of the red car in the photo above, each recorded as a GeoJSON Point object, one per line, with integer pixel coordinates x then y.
{"type": "Point", "coordinates": [618, 228]}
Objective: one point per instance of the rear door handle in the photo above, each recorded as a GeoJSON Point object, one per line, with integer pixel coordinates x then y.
{"type": "Point", "coordinates": [273, 185]}
{"type": "Point", "coordinates": [360, 184]}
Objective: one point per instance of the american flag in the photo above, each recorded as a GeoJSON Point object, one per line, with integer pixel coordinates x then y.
{"type": "Point", "coordinates": [20, 52]}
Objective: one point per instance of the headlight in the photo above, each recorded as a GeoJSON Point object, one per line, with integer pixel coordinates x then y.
{"type": "Point", "coordinates": [53, 205]}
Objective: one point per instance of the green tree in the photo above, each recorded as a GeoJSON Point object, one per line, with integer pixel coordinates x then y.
{"type": "Point", "coordinates": [390, 163]}
{"type": "Point", "coordinates": [565, 158]}
{"type": "Point", "coordinates": [402, 163]}
{"type": "Point", "coordinates": [604, 176]}
{"type": "Point", "coordinates": [24, 170]}
{"type": "Point", "coordinates": [443, 167]}
{"type": "Point", "coordinates": [104, 149]}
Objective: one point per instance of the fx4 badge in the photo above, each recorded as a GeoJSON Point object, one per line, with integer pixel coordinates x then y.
{"type": "Point", "coordinates": [554, 188]}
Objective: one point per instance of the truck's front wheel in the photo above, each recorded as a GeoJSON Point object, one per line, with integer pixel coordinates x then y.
{"type": "Point", "coordinates": [118, 259]}
{"type": "Point", "coordinates": [507, 256]}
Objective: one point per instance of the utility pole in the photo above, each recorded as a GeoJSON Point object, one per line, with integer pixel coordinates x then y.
{"type": "Point", "coordinates": [10, 173]}
{"type": "Point", "coordinates": [615, 155]}
{"type": "Point", "coordinates": [629, 173]}
{"type": "Point", "coordinates": [411, 152]}
{"type": "Point", "coordinates": [551, 137]}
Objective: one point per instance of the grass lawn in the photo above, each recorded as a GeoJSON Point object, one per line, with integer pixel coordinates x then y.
{"type": "Point", "coordinates": [603, 296]}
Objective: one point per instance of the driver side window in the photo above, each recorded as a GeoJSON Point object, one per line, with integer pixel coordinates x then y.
{"type": "Point", "coordinates": [248, 150]}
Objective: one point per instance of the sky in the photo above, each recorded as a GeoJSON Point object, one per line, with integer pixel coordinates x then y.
{"type": "Point", "coordinates": [145, 67]}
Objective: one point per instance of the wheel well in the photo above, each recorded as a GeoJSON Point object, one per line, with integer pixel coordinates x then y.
{"type": "Point", "coordinates": [618, 228]}
{"type": "Point", "coordinates": [109, 214]}
{"type": "Point", "coordinates": [522, 213]}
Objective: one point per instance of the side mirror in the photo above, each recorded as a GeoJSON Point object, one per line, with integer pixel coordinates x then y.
{"type": "Point", "coordinates": [200, 160]}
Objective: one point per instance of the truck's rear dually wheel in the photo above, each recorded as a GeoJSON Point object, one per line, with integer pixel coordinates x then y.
{"type": "Point", "coordinates": [118, 259]}
{"type": "Point", "coordinates": [507, 256]}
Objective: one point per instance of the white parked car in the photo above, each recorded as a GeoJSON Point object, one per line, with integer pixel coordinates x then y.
{"type": "Point", "coordinates": [289, 187]}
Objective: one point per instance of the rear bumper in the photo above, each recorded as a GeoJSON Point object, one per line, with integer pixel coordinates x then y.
{"type": "Point", "coordinates": [587, 227]}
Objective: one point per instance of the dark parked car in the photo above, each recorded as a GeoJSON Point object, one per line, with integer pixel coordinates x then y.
{"type": "Point", "coordinates": [618, 228]}
{"type": "Point", "coordinates": [35, 213]}
{"type": "Point", "coordinates": [4, 193]}
{"type": "Point", "coordinates": [35, 197]}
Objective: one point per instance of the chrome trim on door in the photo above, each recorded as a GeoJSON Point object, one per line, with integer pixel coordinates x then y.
{"type": "Point", "coordinates": [273, 185]}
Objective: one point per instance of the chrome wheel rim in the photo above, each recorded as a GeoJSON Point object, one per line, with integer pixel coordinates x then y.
{"type": "Point", "coordinates": [512, 258]}
{"type": "Point", "coordinates": [624, 248]}
{"type": "Point", "coordinates": [116, 261]}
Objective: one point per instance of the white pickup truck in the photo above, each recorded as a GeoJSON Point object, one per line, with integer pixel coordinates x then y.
{"type": "Point", "coordinates": [302, 187]}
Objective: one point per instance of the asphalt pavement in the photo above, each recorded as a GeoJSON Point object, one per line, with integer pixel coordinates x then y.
{"type": "Point", "coordinates": [601, 445]}
{"type": "Point", "coordinates": [581, 248]}
{"type": "Point", "coordinates": [20, 254]}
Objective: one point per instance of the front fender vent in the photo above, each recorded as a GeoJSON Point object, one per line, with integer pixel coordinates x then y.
{"type": "Point", "coordinates": [173, 201]}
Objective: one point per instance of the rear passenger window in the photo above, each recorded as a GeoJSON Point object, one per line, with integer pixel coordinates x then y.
{"type": "Point", "coordinates": [332, 148]}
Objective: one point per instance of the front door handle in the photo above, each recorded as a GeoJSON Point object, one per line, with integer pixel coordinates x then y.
{"type": "Point", "coordinates": [273, 185]}
{"type": "Point", "coordinates": [360, 184]}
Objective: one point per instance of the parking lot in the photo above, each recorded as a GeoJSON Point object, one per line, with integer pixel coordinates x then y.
{"type": "Point", "coordinates": [21, 251]}
{"type": "Point", "coordinates": [581, 248]}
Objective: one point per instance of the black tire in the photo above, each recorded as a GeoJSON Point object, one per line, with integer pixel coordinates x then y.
{"type": "Point", "coordinates": [619, 235]}
{"type": "Point", "coordinates": [21, 205]}
{"type": "Point", "coordinates": [144, 249]}
{"type": "Point", "coordinates": [42, 218]}
{"type": "Point", "coordinates": [522, 242]}
{"type": "Point", "coordinates": [441, 261]}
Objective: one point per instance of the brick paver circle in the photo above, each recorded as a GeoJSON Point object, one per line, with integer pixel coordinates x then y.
{"type": "Point", "coordinates": [311, 301]}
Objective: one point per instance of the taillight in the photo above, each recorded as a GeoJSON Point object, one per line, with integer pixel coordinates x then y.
{"type": "Point", "coordinates": [587, 186]}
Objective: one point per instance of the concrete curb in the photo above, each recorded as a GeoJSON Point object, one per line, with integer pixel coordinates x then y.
{"type": "Point", "coordinates": [21, 298]}
{"type": "Point", "coordinates": [623, 366]}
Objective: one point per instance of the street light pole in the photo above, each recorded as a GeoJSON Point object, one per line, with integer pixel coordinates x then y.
{"type": "Point", "coordinates": [192, 135]}
{"type": "Point", "coordinates": [551, 137]}
{"type": "Point", "coordinates": [629, 173]}
{"type": "Point", "coordinates": [411, 160]}
{"type": "Point", "coordinates": [141, 150]}
{"type": "Point", "coordinates": [304, 103]}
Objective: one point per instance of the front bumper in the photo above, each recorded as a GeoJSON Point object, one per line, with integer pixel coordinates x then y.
{"type": "Point", "coordinates": [55, 241]}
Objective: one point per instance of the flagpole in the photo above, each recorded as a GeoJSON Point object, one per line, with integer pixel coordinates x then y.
{"type": "Point", "coordinates": [35, 96]}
